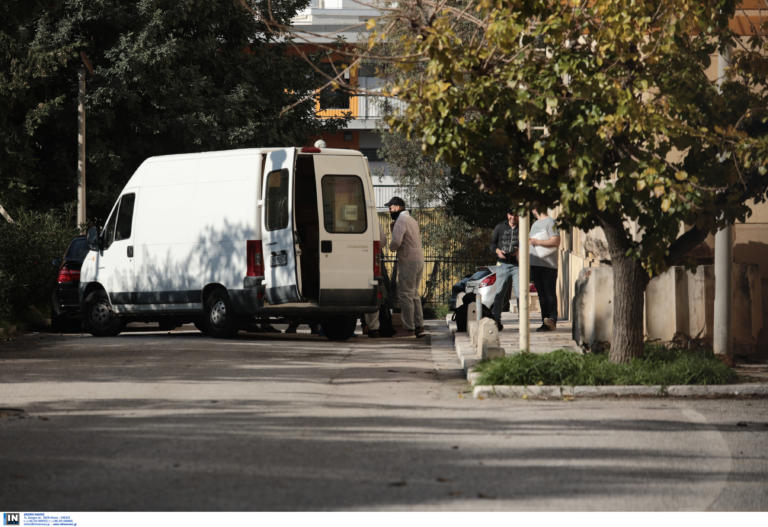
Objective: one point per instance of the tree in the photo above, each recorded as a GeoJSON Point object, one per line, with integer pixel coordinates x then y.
{"type": "Point", "coordinates": [431, 186]}
{"type": "Point", "coordinates": [601, 107]}
{"type": "Point", "coordinates": [168, 77]}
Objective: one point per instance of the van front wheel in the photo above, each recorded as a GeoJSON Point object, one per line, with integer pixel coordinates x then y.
{"type": "Point", "coordinates": [339, 328]}
{"type": "Point", "coordinates": [100, 320]}
{"type": "Point", "coordinates": [219, 319]}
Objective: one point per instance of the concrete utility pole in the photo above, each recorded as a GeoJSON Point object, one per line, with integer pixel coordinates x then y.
{"type": "Point", "coordinates": [524, 280]}
{"type": "Point", "coordinates": [86, 66]}
{"type": "Point", "coordinates": [5, 215]}
{"type": "Point", "coordinates": [721, 332]}
{"type": "Point", "coordinates": [81, 147]}
{"type": "Point", "coordinates": [723, 294]}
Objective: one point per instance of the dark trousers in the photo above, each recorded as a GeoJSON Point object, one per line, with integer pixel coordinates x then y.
{"type": "Point", "coordinates": [545, 280]}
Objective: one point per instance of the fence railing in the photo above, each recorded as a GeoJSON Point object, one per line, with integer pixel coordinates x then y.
{"type": "Point", "coordinates": [440, 274]}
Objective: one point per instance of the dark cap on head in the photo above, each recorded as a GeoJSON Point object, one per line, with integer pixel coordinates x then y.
{"type": "Point", "coordinates": [395, 201]}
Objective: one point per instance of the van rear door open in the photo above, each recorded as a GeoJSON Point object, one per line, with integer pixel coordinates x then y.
{"type": "Point", "coordinates": [346, 247]}
{"type": "Point", "coordinates": [277, 227]}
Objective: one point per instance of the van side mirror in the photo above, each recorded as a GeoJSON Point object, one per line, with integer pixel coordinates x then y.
{"type": "Point", "coordinates": [92, 238]}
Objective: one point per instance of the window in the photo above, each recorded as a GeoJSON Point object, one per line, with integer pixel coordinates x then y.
{"type": "Point", "coordinates": [343, 204]}
{"type": "Point", "coordinates": [125, 217]}
{"type": "Point", "coordinates": [334, 99]}
{"type": "Point", "coordinates": [108, 234]}
{"type": "Point", "coordinates": [276, 212]}
{"type": "Point", "coordinates": [371, 153]}
{"type": "Point", "coordinates": [77, 249]}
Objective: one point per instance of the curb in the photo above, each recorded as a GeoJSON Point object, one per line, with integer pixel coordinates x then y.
{"type": "Point", "coordinates": [573, 392]}
{"type": "Point", "coordinates": [466, 356]}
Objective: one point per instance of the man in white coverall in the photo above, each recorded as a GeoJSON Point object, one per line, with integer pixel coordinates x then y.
{"type": "Point", "coordinates": [406, 241]}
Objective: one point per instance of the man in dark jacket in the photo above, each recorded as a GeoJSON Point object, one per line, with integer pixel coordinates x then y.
{"type": "Point", "coordinates": [505, 244]}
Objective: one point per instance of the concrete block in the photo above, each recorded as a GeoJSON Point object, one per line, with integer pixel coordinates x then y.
{"type": "Point", "coordinates": [488, 340]}
{"type": "Point", "coordinates": [677, 303]}
{"type": "Point", "coordinates": [665, 314]}
{"type": "Point", "coordinates": [701, 302]}
{"type": "Point", "coordinates": [472, 323]}
{"type": "Point", "coordinates": [747, 320]}
{"type": "Point", "coordinates": [593, 308]}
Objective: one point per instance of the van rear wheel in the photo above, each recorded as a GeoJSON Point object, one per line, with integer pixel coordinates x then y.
{"type": "Point", "coordinates": [339, 328]}
{"type": "Point", "coordinates": [100, 319]}
{"type": "Point", "coordinates": [220, 320]}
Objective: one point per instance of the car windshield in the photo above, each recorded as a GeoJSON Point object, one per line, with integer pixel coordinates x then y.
{"type": "Point", "coordinates": [77, 249]}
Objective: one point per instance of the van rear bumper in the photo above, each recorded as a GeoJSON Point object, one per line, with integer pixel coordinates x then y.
{"type": "Point", "coordinates": [250, 301]}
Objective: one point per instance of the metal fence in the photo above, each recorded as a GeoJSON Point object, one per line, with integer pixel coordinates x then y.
{"type": "Point", "coordinates": [440, 274]}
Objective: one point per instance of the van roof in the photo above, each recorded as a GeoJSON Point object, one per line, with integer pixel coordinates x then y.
{"type": "Point", "coordinates": [138, 176]}
{"type": "Point", "coordinates": [250, 151]}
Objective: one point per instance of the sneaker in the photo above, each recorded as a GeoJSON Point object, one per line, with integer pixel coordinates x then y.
{"type": "Point", "coordinates": [373, 334]}
{"type": "Point", "coordinates": [543, 327]}
{"type": "Point", "coordinates": [499, 326]}
{"type": "Point", "coordinates": [419, 332]}
{"type": "Point", "coordinates": [550, 323]}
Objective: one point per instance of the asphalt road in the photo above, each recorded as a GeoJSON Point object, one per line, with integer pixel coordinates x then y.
{"type": "Point", "coordinates": [181, 422]}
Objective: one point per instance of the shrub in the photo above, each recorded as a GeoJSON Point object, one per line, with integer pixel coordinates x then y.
{"type": "Point", "coordinates": [27, 250]}
{"type": "Point", "coordinates": [659, 366]}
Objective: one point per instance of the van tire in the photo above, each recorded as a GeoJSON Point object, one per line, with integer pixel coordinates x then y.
{"type": "Point", "coordinates": [220, 320]}
{"type": "Point", "coordinates": [339, 328]}
{"type": "Point", "coordinates": [99, 318]}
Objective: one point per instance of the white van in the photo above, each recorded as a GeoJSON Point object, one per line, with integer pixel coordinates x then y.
{"type": "Point", "coordinates": [223, 239]}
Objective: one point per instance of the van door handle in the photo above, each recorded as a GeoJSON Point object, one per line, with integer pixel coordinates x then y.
{"type": "Point", "coordinates": [130, 251]}
{"type": "Point", "coordinates": [326, 246]}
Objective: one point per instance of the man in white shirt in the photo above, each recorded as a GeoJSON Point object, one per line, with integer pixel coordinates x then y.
{"type": "Point", "coordinates": [406, 241]}
{"type": "Point", "coordinates": [545, 240]}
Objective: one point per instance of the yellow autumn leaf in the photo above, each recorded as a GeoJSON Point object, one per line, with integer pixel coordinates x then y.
{"type": "Point", "coordinates": [370, 24]}
{"type": "Point", "coordinates": [659, 190]}
{"type": "Point", "coordinates": [665, 204]}
{"type": "Point", "coordinates": [641, 185]}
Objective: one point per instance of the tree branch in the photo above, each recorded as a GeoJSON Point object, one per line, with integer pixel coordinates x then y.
{"type": "Point", "coordinates": [683, 245]}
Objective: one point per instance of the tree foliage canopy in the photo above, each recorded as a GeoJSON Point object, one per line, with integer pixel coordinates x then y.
{"type": "Point", "coordinates": [602, 107]}
{"type": "Point", "coordinates": [168, 76]}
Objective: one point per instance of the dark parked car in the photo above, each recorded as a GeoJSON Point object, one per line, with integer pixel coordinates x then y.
{"type": "Point", "coordinates": [65, 308]}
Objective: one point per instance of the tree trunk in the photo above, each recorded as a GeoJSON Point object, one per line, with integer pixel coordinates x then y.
{"type": "Point", "coordinates": [629, 283]}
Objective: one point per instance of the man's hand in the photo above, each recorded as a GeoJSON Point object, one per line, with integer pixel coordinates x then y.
{"type": "Point", "coordinates": [501, 254]}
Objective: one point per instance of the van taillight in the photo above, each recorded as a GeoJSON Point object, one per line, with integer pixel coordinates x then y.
{"type": "Point", "coordinates": [255, 260]}
{"type": "Point", "coordinates": [376, 259]}
{"type": "Point", "coordinates": [68, 275]}
{"type": "Point", "coordinates": [488, 281]}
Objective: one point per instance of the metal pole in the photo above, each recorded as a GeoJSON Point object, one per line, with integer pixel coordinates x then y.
{"type": "Point", "coordinates": [524, 280]}
{"type": "Point", "coordinates": [81, 148]}
{"type": "Point", "coordinates": [723, 297]}
{"type": "Point", "coordinates": [721, 332]}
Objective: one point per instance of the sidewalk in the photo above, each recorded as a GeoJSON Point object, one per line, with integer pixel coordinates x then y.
{"type": "Point", "coordinates": [755, 375]}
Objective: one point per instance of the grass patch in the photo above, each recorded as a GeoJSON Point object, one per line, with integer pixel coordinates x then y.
{"type": "Point", "coordinates": [659, 366]}
{"type": "Point", "coordinates": [435, 311]}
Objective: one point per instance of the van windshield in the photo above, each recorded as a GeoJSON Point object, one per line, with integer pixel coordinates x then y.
{"type": "Point", "coordinates": [343, 204]}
